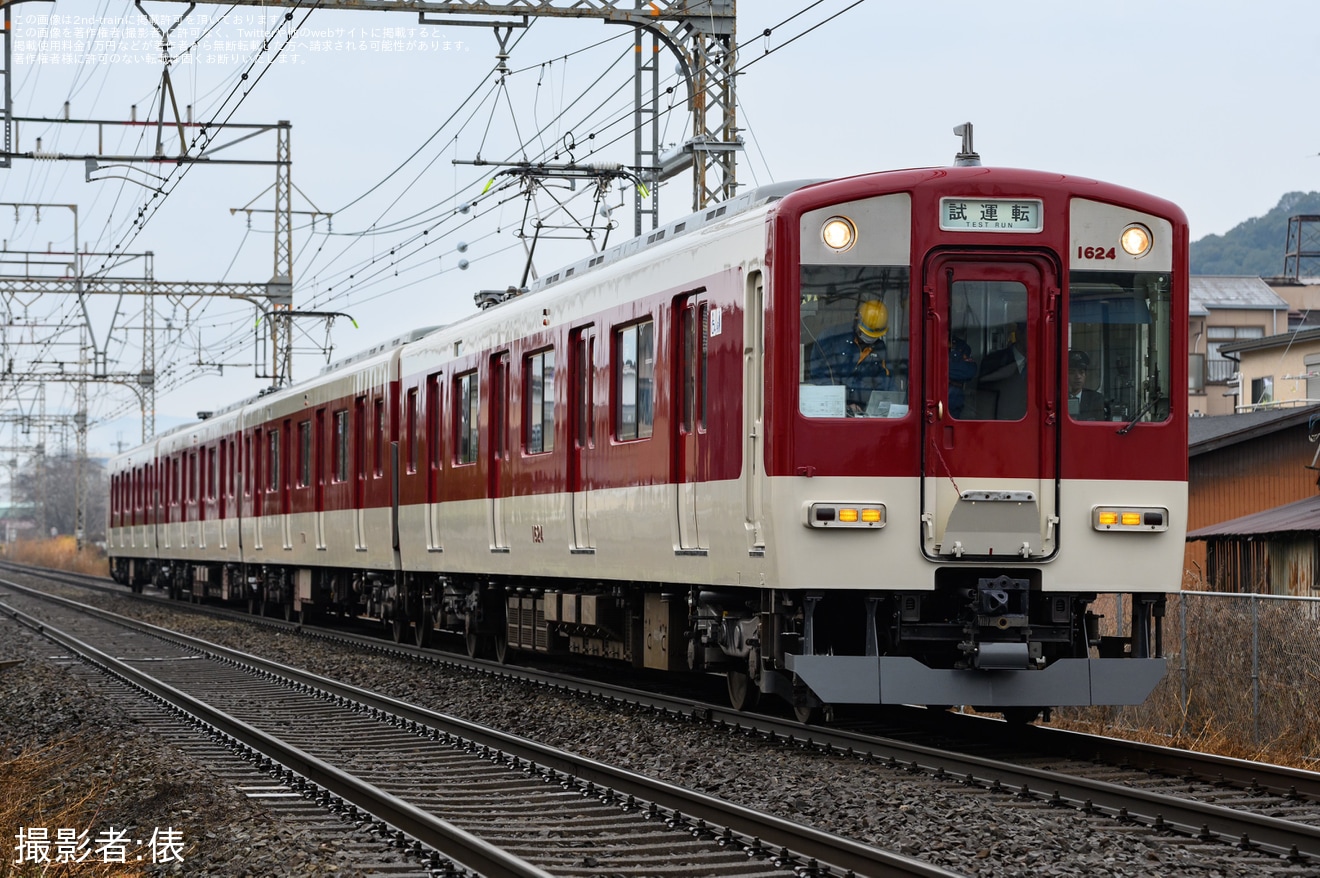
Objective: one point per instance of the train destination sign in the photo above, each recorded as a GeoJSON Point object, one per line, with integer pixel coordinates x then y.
{"type": "Point", "coordinates": [990, 215]}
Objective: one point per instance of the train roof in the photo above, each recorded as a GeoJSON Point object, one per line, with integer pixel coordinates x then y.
{"type": "Point", "coordinates": [692, 222]}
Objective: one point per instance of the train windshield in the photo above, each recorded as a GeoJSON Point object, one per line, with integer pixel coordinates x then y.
{"type": "Point", "coordinates": [854, 341]}
{"type": "Point", "coordinates": [1119, 337]}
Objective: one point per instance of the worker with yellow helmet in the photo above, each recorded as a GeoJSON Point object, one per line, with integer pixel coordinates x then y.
{"type": "Point", "coordinates": [857, 358]}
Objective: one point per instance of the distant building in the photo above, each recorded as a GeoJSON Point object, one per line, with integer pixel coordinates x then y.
{"type": "Point", "coordinates": [1249, 478]}
{"type": "Point", "coordinates": [1225, 310]}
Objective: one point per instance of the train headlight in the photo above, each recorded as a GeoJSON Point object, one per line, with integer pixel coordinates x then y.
{"type": "Point", "coordinates": [1136, 240]}
{"type": "Point", "coordinates": [838, 233]}
{"type": "Point", "coordinates": [845, 515]}
{"type": "Point", "coordinates": [1130, 518]}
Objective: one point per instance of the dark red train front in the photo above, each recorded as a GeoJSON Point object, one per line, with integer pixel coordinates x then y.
{"type": "Point", "coordinates": [976, 428]}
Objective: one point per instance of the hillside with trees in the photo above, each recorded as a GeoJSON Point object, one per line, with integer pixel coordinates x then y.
{"type": "Point", "coordinates": [1254, 247]}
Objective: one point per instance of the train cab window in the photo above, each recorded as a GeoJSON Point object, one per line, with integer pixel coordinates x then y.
{"type": "Point", "coordinates": [1120, 333]}
{"type": "Point", "coordinates": [854, 341]}
{"type": "Point", "coordinates": [539, 392]}
{"type": "Point", "coordinates": [634, 381]}
{"type": "Point", "coordinates": [466, 402]}
{"type": "Point", "coordinates": [990, 360]}
{"type": "Point", "coordinates": [341, 445]}
{"type": "Point", "coordinates": [304, 453]}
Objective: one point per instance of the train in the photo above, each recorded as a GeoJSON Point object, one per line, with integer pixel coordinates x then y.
{"type": "Point", "coordinates": [897, 438]}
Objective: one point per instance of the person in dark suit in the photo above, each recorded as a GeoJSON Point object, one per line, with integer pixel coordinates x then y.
{"type": "Point", "coordinates": [856, 359]}
{"type": "Point", "coordinates": [1083, 404]}
{"type": "Point", "coordinates": [1004, 373]}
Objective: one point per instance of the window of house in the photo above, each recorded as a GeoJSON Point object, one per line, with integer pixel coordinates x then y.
{"type": "Point", "coordinates": [539, 391]}
{"type": "Point", "coordinates": [1218, 367]}
{"type": "Point", "coordinates": [634, 381]}
{"type": "Point", "coordinates": [1262, 390]}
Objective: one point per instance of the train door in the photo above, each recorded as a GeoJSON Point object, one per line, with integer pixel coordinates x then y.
{"type": "Point", "coordinates": [359, 473]}
{"type": "Point", "coordinates": [434, 446]}
{"type": "Point", "coordinates": [284, 478]}
{"type": "Point", "coordinates": [582, 438]}
{"type": "Point", "coordinates": [254, 477]}
{"type": "Point", "coordinates": [498, 448]}
{"type": "Point", "coordinates": [222, 498]}
{"type": "Point", "coordinates": [754, 410]}
{"type": "Point", "coordinates": [318, 478]}
{"type": "Point", "coordinates": [689, 381]}
{"type": "Point", "coordinates": [991, 421]}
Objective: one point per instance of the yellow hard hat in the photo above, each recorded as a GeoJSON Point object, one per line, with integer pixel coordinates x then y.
{"type": "Point", "coordinates": [872, 319]}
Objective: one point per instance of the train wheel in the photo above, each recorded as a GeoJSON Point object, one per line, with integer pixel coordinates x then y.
{"type": "Point", "coordinates": [502, 647]}
{"type": "Point", "coordinates": [475, 643]}
{"type": "Point", "coordinates": [743, 693]}
{"type": "Point", "coordinates": [398, 629]}
{"type": "Point", "coordinates": [807, 713]}
{"type": "Point", "coordinates": [422, 630]}
{"type": "Point", "coordinates": [288, 612]}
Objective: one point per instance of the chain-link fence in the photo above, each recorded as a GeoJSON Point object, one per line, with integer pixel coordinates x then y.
{"type": "Point", "coordinates": [1242, 667]}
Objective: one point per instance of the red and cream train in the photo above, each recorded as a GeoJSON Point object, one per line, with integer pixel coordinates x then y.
{"type": "Point", "coordinates": [637, 459]}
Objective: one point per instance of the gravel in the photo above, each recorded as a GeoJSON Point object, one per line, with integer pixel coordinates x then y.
{"type": "Point", "coordinates": [963, 828]}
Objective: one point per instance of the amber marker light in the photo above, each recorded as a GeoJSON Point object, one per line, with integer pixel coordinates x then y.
{"type": "Point", "coordinates": [838, 515]}
{"type": "Point", "coordinates": [838, 233]}
{"type": "Point", "coordinates": [1146, 519]}
{"type": "Point", "coordinates": [1135, 240]}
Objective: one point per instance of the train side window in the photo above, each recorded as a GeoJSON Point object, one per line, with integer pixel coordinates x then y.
{"type": "Point", "coordinates": [304, 453]}
{"type": "Point", "coordinates": [274, 460]}
{"type": "Point", "coordinates": [341, 445]}
{"type": "Point", "coordinates": [378, 461]}
{"type": "Point", "coordinates": [433, 403]}
{"type": "Point", "coordinates": [466, 406]}
{"type": "Point", "coordinates": [634, 381]}
{"type": "Point", "coordinates": [539, 391]}
{"type": "Point", "coordinates": [410, 416]}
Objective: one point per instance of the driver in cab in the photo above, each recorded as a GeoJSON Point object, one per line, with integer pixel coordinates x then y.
{"type": "Point", "coordinates": [857, 359]}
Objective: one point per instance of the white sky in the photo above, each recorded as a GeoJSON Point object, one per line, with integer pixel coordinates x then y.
{"type": "Point", "coordinates": [1204, 102]}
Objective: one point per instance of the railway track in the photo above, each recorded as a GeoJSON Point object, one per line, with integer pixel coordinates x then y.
{"type": "Point", "coordinates": [1243, 806]}
{"type": "Point", "coordinates": [498, 805]}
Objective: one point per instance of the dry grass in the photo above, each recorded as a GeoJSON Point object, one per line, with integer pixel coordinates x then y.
{"type": "Point", "coordinates": [1216, 697]}
{"type": "Point", "coordinates": [59, 553]}
{"type": "Point", "coordinates": [36, 793]}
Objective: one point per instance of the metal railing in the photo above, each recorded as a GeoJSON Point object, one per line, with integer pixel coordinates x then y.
{"type": "Point", "coordinates": [1243, 668]}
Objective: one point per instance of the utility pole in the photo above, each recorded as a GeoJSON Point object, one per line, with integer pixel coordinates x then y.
{"type": "Point", "coordinates": [702, 34]}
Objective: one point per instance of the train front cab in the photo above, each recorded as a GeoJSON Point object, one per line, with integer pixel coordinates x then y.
{"type": "Point", "coordinates": [950, 521]}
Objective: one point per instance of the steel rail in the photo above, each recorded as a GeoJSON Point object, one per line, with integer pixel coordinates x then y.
{"type": "Point", "coordinates": [469, 850]}
{"type": "Point", "coordinates": [763, 830]}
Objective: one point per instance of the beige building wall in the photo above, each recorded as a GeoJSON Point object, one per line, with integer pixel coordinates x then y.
{"type": "Point", "coordinates": [1285, 370]}
{"type": "Point", "coordinates": [1218, 396]}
